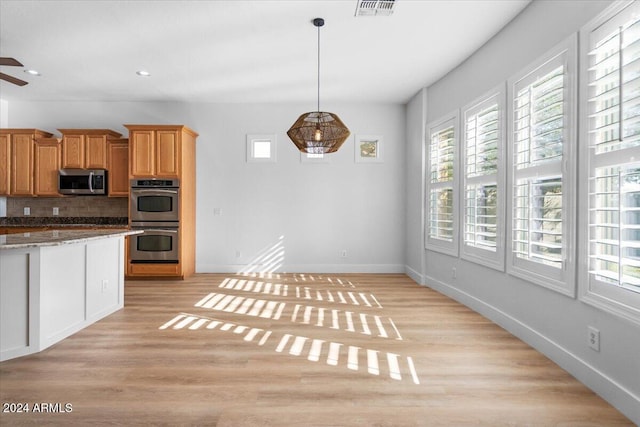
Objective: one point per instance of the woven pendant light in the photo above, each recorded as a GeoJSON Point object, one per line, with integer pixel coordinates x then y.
{"type": "Point", "coordinates": [318, 132]}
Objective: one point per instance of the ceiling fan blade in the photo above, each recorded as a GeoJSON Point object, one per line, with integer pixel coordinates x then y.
{"type": "Point", "coordinates": [10, 62]}
{"type": "Point", "coordinates": [13, 80]}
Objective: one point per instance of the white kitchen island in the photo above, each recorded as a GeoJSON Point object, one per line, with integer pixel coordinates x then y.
{"type": "Point", "coordinates": [55, 283]}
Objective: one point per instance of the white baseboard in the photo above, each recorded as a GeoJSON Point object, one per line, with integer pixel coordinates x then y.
{"type": "Point", "coordinates": [607, 388]}
{"type": "Point", "coordinates": [303, 268]}
{"type": "Point", "coordinates": [415, 275]}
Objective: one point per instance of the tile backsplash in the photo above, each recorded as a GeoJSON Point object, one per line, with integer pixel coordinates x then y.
{"type": "Point", "coordinates": [78, 206]}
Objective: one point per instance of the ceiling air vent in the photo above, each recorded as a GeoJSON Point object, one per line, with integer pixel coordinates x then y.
{"type": "Point", "coordinates": [375, 7]}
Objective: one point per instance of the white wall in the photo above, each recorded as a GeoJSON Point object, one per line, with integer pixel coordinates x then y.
{"type": "Point", "coordinates": [4, 113]}
{"type": "Point", "coordinates": [317, 209]}
{"type": "Point", "coordinates": [416, 110]}
{"type": "Point", "coordinates": [554, 324]}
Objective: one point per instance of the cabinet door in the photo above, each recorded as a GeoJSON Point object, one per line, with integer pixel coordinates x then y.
{"type": "Point", "coordinates": [5, 164]}
{"type": "Point", "coordinates": [95, 152]}
{"type": "Point", "coordinates": [118, 169]}
{"type": "Point", "coordinates": [73, 151]}
{"type": "Point", "coordinates": [22, 165]}
{"type": "Point", "coordinates": [141, 153]}
{"type": "Point", "coordinates": [47, 163]}
{"type": "Point", "coordinates": [167, 153]}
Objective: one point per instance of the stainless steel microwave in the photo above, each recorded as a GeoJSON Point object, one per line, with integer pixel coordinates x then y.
{"type": "Point", "coordinates": [82, 181]}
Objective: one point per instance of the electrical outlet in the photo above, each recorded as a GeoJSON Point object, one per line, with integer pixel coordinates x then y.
{"type": "Point", "coordinates": [343, 253]}
{"type": "Point", "coordinates": [238, 254]}
{"type": "Point", "coordinates": [593, 338]}
{"type": "Point", "coordinates": [27, 211]}
{"type": "Point", "coordinates": [56, 211]}
{"type": "Point", "coordinates": [453, 273]}
{"type": "Point", "coordinates": [105, 285]}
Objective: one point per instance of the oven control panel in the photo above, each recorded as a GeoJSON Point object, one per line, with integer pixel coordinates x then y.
{"type": "Point", "coordinates": [155, 183]}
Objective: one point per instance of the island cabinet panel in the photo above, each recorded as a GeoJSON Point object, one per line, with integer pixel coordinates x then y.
{"type": "Point", "coordinates": [15, 337]}
{"type": "Point", "coordinates": [118, 167]}
{"type": "Point", "coordinates": [105, 284]}
{"type": "Point", "coordinates": [86, 148]}
{"type": "Point", "coordinates": [46, 165]}
{"type": "Point", "coordinates": [62, 298]}
{"type": "Point", "coordinates": [5, 164]}
{"type": "Point", "coordinates": [51, 291]}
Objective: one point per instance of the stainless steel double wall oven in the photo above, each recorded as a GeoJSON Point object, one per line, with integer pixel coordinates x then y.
{"type": "Point", "coordinates": [154, 209]}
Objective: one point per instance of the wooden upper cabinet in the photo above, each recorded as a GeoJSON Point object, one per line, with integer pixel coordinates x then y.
{"type": "Point", "coordinates": [86, 148]}
{"type": "Point", "coordinates": [21, 165]}
{"type": "Point", "coordinates": [167, 153]}
{"type": "Point", "coordinates": [142, 153]}
{"type": "Point", "coordinates": [47, 163]}
{"type": "Point", "coordinates": [118, 167]}
{"type": "Point", "coordinates": [96, 152]}
{"type": "Point", "coordinates": [73, 151]}
{"type": "Point", "coordinates": [5, 164]}
{"type": "Point", "coordinates": [17, 156]}
{"type": "Point", "coordinates": [156, 150]}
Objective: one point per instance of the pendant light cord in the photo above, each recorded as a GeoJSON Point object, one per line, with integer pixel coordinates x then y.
{"type": "Point", "coordinates": [318, 72]}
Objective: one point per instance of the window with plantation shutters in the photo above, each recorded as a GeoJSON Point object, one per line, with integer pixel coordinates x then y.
{"type": "Point", "coordinates": [542, 121]}
{"type": "Point", "coordinates": [611, 133]}
{"type": "Point", "coordinates": [482, 184]}
{"type": "Point", "coordinates": [538, 134]}
{"type": "Point", "coordinates": [441, 187]}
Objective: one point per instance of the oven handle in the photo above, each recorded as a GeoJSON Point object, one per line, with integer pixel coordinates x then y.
{"type": "Point", "coordinates": [155, 191]}
{"type": "Point", "coordinates": [158, 230]}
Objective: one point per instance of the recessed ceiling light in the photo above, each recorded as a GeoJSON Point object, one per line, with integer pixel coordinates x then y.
{"type": "Point", "coordinates": [143, 73]}
{"type": "Point", "coordinates": [32, 72]}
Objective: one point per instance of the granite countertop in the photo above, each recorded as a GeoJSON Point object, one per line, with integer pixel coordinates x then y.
{"type": "Point", "coordinates": [58, 221]}
{"type": "Point", "coordinates": [58, 237]}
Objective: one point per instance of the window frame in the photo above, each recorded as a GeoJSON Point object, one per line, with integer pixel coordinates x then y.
{"type": "Point", "coordinates": [608, 297]}
{"type": "Point", "coordinates": [493, 259]}
{"type": "Point", "coordinates": [449, 247]}
{"type": "Point", "coordinates": [561, 279]}
{"type": "Point", "coordinates": [252, 139]}
{"type": "Point", "coordinates": [379, 151]}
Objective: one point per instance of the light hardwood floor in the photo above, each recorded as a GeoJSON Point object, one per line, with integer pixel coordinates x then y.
{"type": "Point", "coordinates": [296, 350]}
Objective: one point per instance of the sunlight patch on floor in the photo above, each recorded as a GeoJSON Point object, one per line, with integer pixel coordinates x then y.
{"type": "Point", "coordinates": [314, 350]}
{"type": "Point", "coordinates": [240, 298]}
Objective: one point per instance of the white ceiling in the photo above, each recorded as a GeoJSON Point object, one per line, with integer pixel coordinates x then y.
{"type": "Point", "coordinates": [239, 51]}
